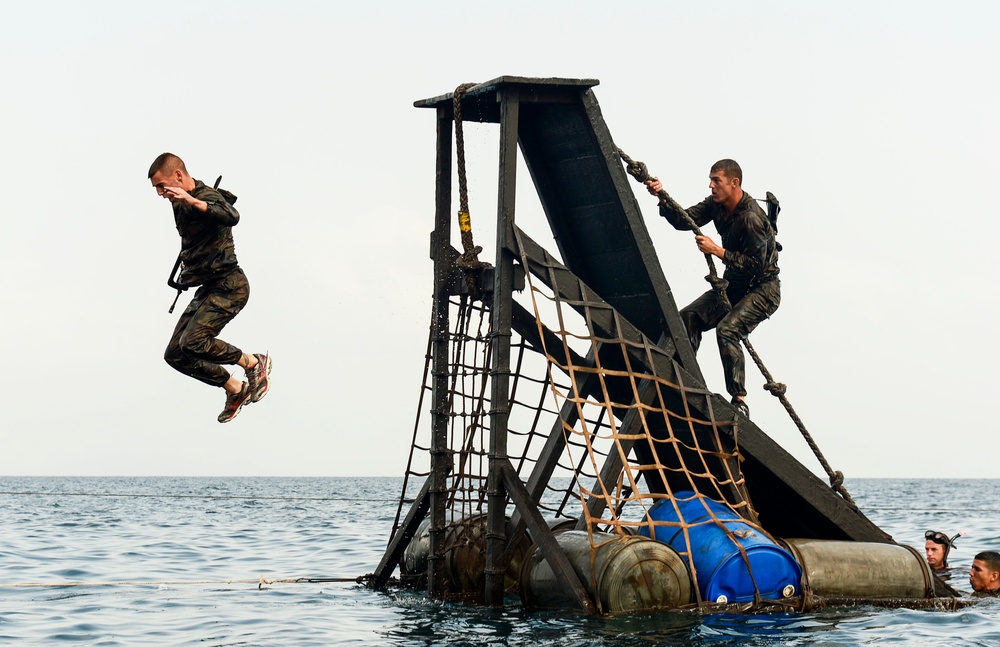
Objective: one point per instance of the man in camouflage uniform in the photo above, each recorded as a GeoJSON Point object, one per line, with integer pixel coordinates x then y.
{"type": "Point", "coordinates": [749, 252]}
{"type": "Point", "coordinates": [205, 219]}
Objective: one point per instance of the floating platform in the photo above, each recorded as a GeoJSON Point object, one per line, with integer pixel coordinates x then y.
{"type": "Point", "coordinates": [561, 392]}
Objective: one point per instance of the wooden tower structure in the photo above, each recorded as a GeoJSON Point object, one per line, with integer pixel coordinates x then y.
{"type": "Point", "coordinates": [607, 272]}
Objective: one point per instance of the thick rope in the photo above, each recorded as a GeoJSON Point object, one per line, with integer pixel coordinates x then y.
{"type": "Point", "coordinates": [123, 495]}
{"type": "Point", "coordinates": [261, 582]}
{"type": "Point", "coordinates": [639, 171]}
{"type": "Point", "coordinates": [468, 260]}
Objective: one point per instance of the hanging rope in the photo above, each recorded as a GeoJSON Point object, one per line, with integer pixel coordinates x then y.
{"type": "Point", "coordinates": [639, 171]}
{"type": "Point", "coordinates": [468, 261]}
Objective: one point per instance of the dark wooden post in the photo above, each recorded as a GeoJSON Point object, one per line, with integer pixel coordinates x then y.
{"type": "Point", "coordinates": [500, 337]}
{"type": "Point", "coordinates": [441, 252]}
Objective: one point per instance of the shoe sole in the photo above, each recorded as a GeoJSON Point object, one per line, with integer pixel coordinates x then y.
{"type": "Point", "coordinates": [267, 376]}
{"type": "Point", "coordinates": [245, 402]}
{"type": "Point", "coordinates": [237, 412]}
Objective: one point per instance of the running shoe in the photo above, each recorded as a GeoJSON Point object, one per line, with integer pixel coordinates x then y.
{"type": "Point", "coordinates": [259, 377]}
{"type": "Point", "coordinates": [235, 402]}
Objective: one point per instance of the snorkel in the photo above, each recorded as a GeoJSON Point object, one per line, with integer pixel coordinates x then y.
{"type": "Point", "coordinates": [943, 540]}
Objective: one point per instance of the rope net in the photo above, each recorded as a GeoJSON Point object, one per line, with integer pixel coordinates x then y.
{"type": "Point", "coordinates": [629, 431]}
{"type": "Point", "coordinates": [601, 430]}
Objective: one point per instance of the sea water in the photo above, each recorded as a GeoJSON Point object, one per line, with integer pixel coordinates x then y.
{"type": "Point", "coordinates": [179, 561]}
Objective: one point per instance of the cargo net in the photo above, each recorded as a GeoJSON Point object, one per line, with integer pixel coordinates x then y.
{"type": "Point", "coordinates": [601, 429]}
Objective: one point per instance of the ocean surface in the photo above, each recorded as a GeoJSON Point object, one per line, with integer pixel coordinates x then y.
{"type": "Point", "coordinates": [178, 561]}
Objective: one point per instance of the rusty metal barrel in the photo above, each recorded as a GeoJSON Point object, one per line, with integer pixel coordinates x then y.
{"type": "Point", "coordinates": [414, 563]}
{"type": "Point", "coordinates": [464, 557]}
{"type": "Point", "coordinates": [628, 574]}
{"type": "Point", "coordinates": [854, 569]}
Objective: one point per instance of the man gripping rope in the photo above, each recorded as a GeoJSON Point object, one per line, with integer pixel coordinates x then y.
{"type": "Point", "coordinates": [750, 254]}
{"type": "Point", "coordinates": [204, 219]}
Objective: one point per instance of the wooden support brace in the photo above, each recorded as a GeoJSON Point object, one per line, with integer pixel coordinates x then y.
{"type": "Point", "coordinates": [545, 540]}
{"type": "Point", "coordinates": [402, 538]}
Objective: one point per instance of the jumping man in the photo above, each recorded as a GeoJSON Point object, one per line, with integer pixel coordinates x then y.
{"type": "Point", "coordinates": [204, 221]}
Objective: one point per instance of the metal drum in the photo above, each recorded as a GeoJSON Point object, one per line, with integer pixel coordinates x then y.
{"type": "Point", "coordinates": [465, 557]}
{"type": "Point", "coordinates": [717, 550]}
{"type": "Point", "coordinates": [415, 556]}
{"type": "Point", "coordinates": [854, 569]}
{"type": "Point", "coordinates": [629, 574]}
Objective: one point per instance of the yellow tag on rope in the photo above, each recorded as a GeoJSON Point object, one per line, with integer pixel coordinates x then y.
{"type": "Point", "coordinates": [464, 221]}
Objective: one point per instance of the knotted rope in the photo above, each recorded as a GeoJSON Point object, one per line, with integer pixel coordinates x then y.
{"type": "Point", "coordinates": [468, 261]}
{"type": "Point", "coordinates": [639, 171]}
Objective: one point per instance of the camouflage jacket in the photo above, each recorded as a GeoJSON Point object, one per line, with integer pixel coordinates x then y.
{"type": "Point", "coordinates": [207, 248]}
{"type": "Point", "coordinates": [751, 252]}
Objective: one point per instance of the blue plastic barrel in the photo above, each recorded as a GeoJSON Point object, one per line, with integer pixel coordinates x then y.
{"type": "Point", "coordinates": [722, 573]}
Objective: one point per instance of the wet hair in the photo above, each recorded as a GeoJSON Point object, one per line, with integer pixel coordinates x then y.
{"type": "Point", "coordinates": [730, 168]}
{"type": "Point", "coordinates": [166, 161]}
{"type": "Point", "coordinates": [941, 539]}
{"type": "Point", "coordinates": [991, 558]}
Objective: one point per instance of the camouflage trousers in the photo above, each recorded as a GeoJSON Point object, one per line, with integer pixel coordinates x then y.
{"type": "Point", "coordinates": [194, 348]}
{"type": "Point", "coordinates": [732, 326]}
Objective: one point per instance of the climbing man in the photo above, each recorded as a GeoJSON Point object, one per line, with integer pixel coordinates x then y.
{"type": "Point", "coordinates": [984, 576]}
{"type": "Point", "coordinates": [750, 253]}
{"type": "Point", "coordinates": [205, 218]}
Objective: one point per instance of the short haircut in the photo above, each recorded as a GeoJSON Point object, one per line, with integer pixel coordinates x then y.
{"type": "Point", "coordinates": [991, 558]}
{"type": "Point", "coordinates": [166, 162]}
{"type": "Point", "coordinates": [730, 168]}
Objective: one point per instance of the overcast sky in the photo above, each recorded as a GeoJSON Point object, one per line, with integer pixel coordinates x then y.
{"type": "Point", "coordinates": [873, 122]}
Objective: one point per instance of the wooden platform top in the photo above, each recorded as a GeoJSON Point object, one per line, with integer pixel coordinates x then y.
{"type": "Point", "coordinates": [522, 83]}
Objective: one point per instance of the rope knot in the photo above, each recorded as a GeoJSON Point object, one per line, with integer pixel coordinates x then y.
{"type": "Point", "coordinates": [469, 260]}
{"type": "Point", "coordinates": [775, 388]}
{"type": "Point", "coordinates": [717, 282]}
{"type": "Point", "coordinates": [638, 170]}
{"type": "Point", "coordinates": [837, 480]}
{"type": "Point", "coordinates": [635, 168]}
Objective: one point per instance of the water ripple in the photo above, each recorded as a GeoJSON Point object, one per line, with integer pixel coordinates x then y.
{"type": "Point", "coordinates": [208, 535]}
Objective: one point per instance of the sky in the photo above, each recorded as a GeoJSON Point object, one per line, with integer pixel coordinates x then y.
{"type": "Point", "coordinates": [873, 122]}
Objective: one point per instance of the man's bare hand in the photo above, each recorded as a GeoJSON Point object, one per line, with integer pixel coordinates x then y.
{"type": "Point", "coordinates": [654, 186]}
{"type": "Point", "coordinates": [707, 246]}
{"type": "Point", "coordinates": [177, 194]}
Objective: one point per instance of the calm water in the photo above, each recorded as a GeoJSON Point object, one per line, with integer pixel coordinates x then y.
{"type": "Point", "coordinates": [184, 554]}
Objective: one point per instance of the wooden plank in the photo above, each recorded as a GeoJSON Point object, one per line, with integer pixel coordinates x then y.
{"type": "Point", "coordinates": [440, 419]}
{"type": "Point", "coordinates": [530, 88]}
{"type": "Point", "coordinates": [400, 540]}
{"type": "Point", "coordinates": [647, 257]}
{"type": "Point", "coordinates": [500, 335]}
{"type": "Point", "coordinates": [545, 540]}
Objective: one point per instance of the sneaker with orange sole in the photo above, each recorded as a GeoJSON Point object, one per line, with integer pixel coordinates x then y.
{"type": "Point", "coordinates": [259, 377]}
{"type": "Point", "coordinates": [235, 402]}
